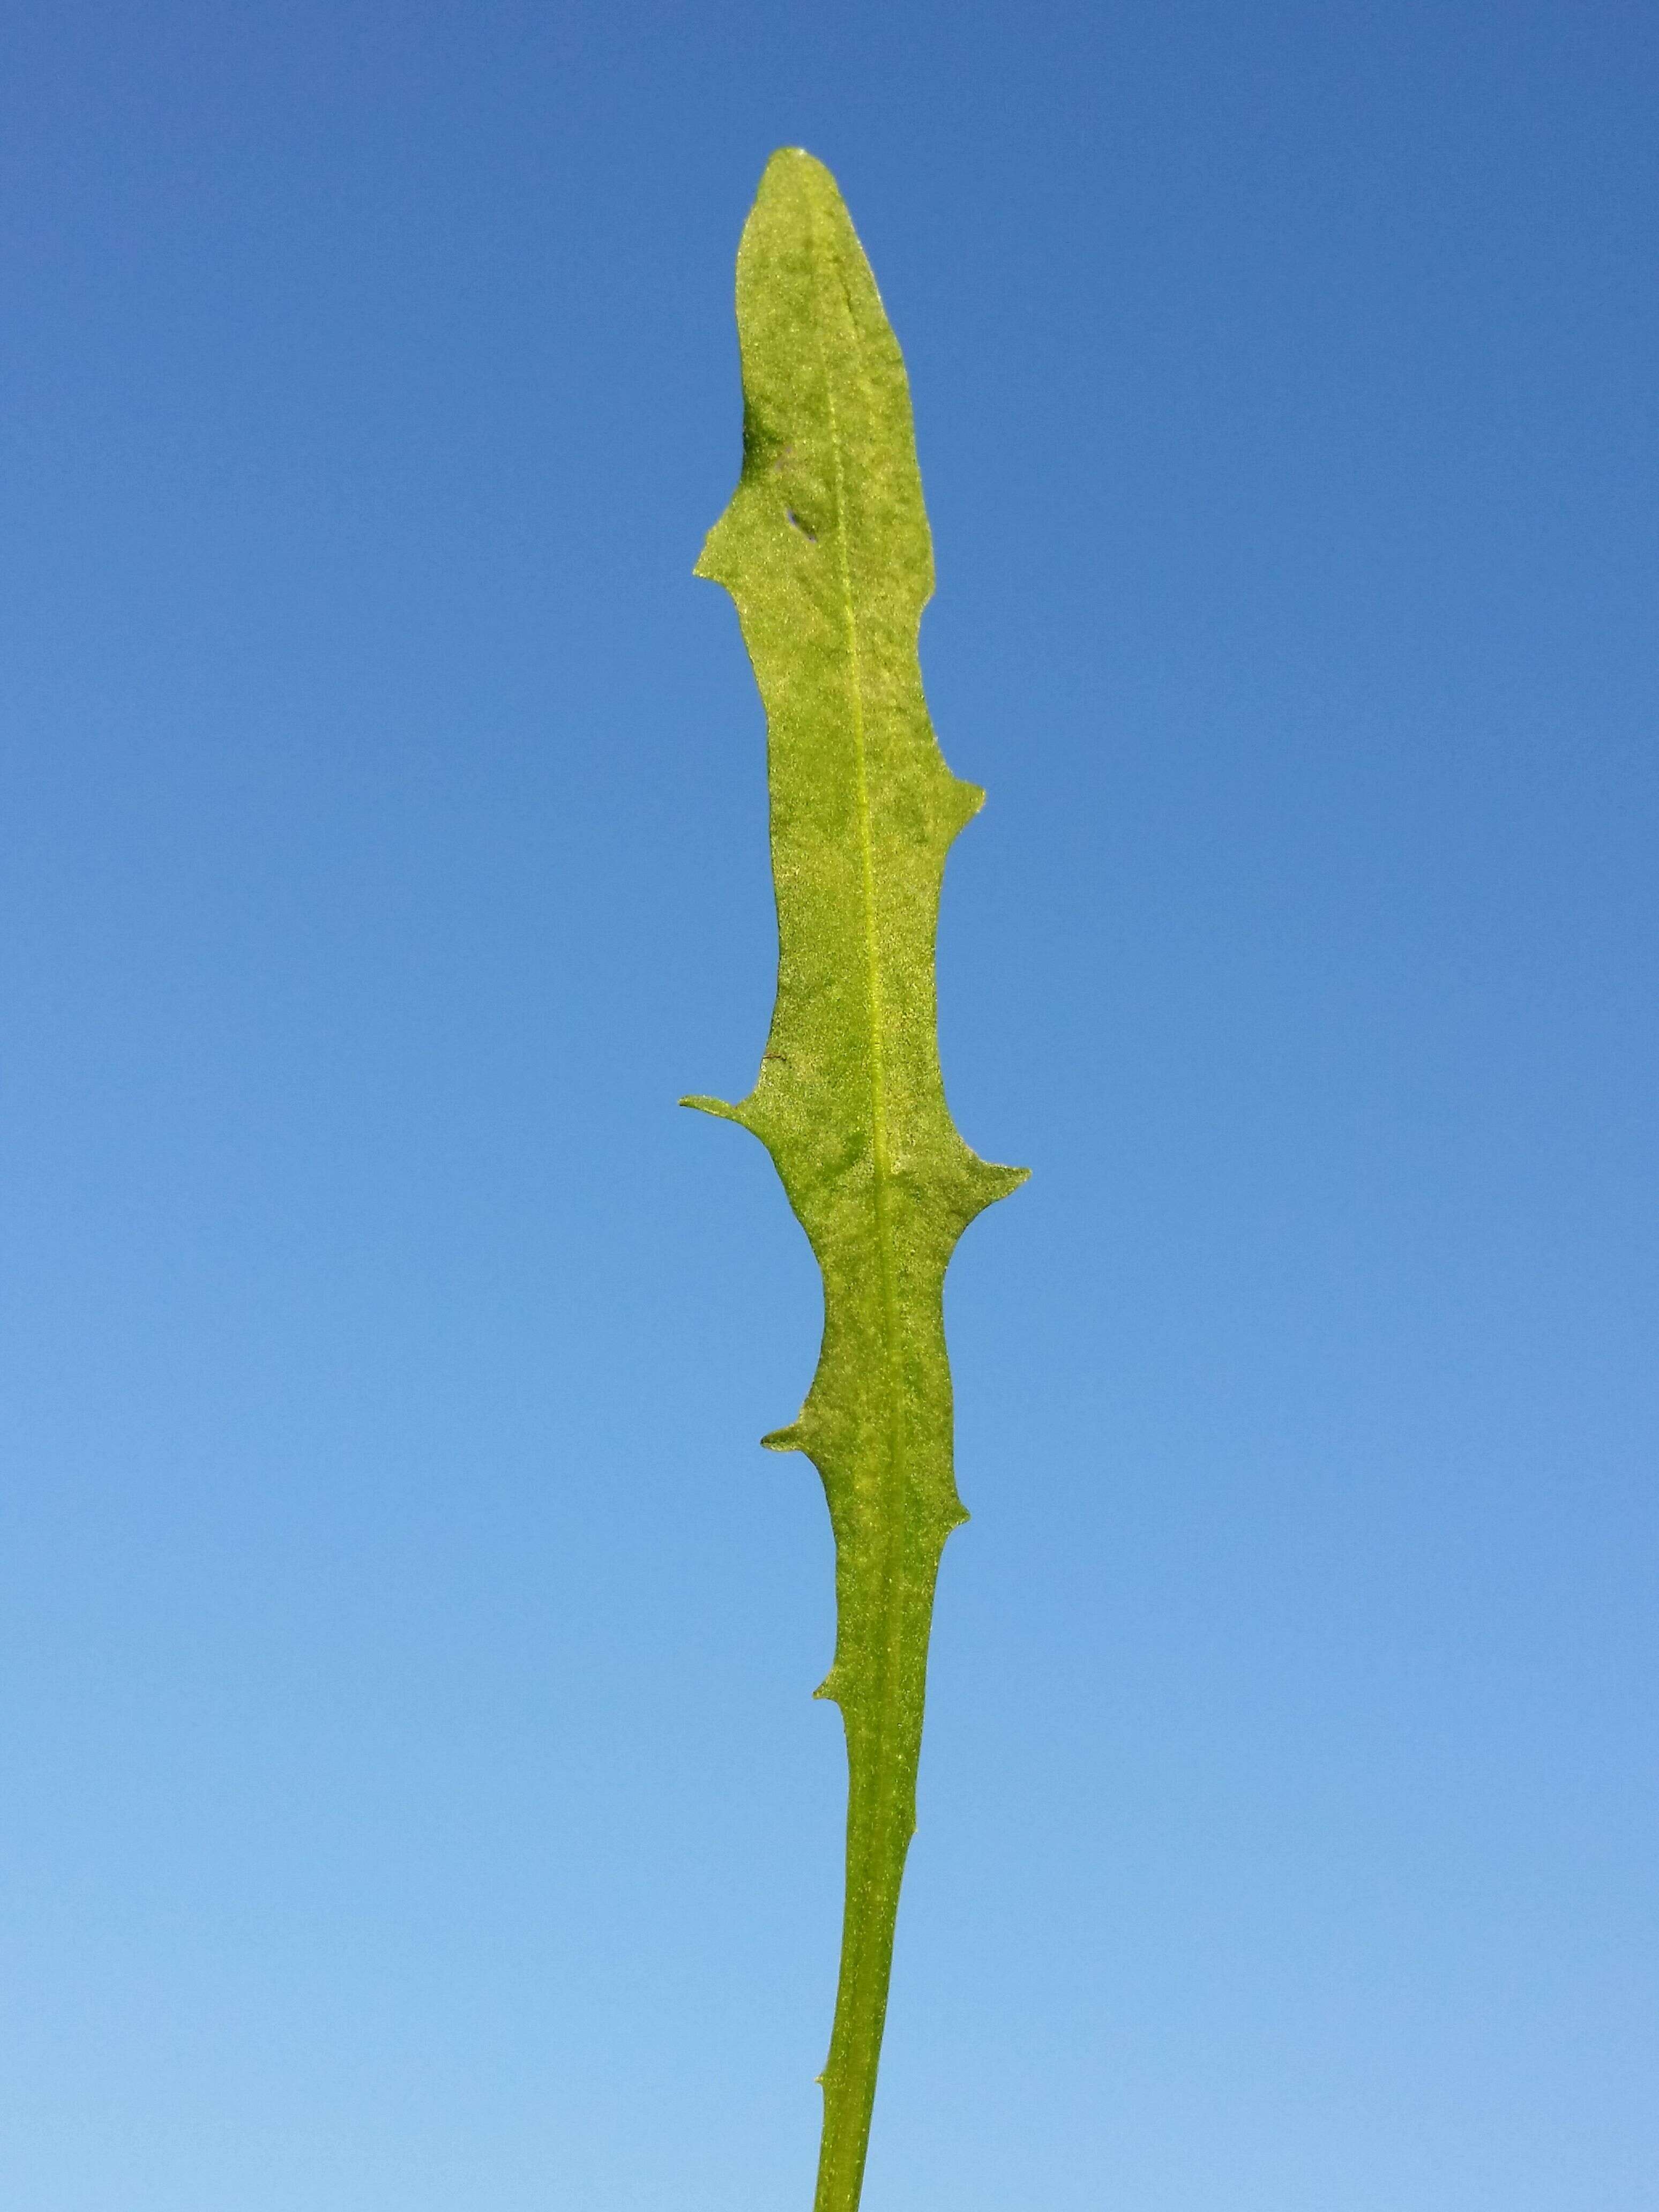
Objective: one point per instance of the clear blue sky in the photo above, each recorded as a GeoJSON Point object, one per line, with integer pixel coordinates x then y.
{"type": "Point", "coordinates": [409, 1796]}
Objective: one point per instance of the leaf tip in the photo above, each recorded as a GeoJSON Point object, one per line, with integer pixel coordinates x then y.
{"type": "Point", "coordinates": [784, 1440]}
{"type": "Point", "coordinates": [718, 1107]}
{"type": "Point", "coordinates": [791, 175]}
{"type": "Point", "coordinates": [785, 158]}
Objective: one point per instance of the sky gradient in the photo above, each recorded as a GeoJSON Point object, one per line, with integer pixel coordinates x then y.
{"type": "Point", "coordinates": [409, 1795]}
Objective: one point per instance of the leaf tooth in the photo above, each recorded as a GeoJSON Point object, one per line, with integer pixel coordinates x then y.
{"type": "Point", "coordinates": [988, 1182]}
{"type": "Point", "coordinates": [966, 800]}
{"type": "Point", "coordinates": [720, 1108]}
{"type": "Point", "coordinates": [793, 1438]}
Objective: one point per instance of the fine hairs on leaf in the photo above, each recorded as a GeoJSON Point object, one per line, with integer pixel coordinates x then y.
{"type": "Point", "coordinates": [826, 552]}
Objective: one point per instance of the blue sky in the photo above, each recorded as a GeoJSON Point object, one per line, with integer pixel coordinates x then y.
{"type": "Point", "coordinates": [411, 1795]}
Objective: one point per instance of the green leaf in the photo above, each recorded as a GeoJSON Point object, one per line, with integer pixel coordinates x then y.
{"type": "Point", "coordinates": [825, 550]}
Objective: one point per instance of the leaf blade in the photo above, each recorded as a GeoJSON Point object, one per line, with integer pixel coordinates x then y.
{"type": "Point", "coordinates": [826, 552]}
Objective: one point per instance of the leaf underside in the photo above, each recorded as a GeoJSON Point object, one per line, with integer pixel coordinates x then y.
{"type": "Point", "coordinates": [825, 550]}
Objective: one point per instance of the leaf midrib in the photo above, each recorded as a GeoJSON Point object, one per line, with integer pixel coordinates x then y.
{"type": "Point", "coordinates": [894, 1490]}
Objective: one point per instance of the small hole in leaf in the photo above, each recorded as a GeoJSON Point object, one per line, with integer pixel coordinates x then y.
{"type": "Point", "coordinates": [796, 520]}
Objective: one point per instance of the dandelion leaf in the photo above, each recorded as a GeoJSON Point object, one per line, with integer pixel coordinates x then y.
{"type": "Point", "coordinates": [826, 552]}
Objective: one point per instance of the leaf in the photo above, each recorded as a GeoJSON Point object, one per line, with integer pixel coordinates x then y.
{"type": "Point", "coordinates": [825, 550]}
